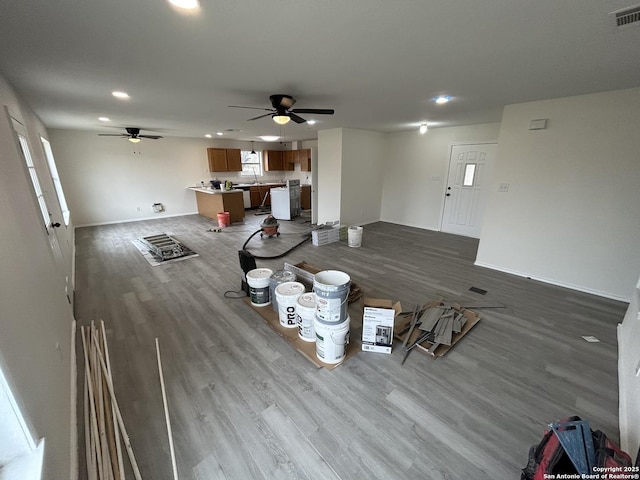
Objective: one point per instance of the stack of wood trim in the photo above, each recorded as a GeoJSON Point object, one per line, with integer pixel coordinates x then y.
{"type": "Point", "coordinates": [105, 431]}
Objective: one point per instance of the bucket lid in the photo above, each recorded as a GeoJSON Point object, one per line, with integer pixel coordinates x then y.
{"type": "Point", "coordinates": [290, 288]}
{"type": "Point", "coordinates": [283, 276]}
{"type": "Point", "coordinates": [307, 300]}
{"type": "Point", "coordinates": [260, 273]}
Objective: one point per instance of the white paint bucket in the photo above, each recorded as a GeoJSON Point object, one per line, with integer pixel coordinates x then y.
{"type": "Point", "coordinates": [354, 235]}
{"type": "Point", "coordinates": [277, 278]}
{"type": "Point", "coordinates": [258, 280]}
{"type": "Point", "coordinates": [332, 289]}
{"type": "Point", "coordinates": [306, 315]}
{"type": "Point", "coordinates": [287, 295]}
{"type": "Point", "coordinates": [331, 340]}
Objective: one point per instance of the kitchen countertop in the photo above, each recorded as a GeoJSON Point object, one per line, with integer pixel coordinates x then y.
{"type": "Point", "coordinates": [213, 191]}
{"type": "Point", "coordinates": [261, 184]}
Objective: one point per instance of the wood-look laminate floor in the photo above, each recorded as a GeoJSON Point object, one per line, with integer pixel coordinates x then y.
{"type": "Point", "coordinates": [245, 405]}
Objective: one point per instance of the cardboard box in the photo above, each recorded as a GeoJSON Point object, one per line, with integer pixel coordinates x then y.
{"type": "Point", "coordinates": [378, 320]}
{"type": "Point", "coordinates": [328, 234]}
{"type": "Point", "coordinates": [403, 323]}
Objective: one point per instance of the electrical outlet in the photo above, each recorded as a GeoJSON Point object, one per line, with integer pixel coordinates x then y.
{"type": "Point", "coordinates": [139, 209]}
{"type": "Point", "coordinates": [503, 187]}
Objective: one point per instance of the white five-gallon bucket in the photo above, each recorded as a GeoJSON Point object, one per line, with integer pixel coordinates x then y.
{"type": "Point", "coordinates": [331, 340]}
{"type": "Point", "coordinates": [306, 314]}
{"type": "Point", "coordinates": [332, 289]}
{"type": "Point", "coordinates": [354, 236]}
{"type": "Point", "coordinates": [258, 280]}
{"type": "Point", "coordinates": [277, 278]}
{"type": "Point", "coordinates": [287, 295]}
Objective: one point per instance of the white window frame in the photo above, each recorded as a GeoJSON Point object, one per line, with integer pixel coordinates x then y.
{"type": "Point", "coordinates": [37, 188]}
{"type": "Point", "coordinates": [256, 171]}
{"type": "Point", "coordinates": [55, 177]}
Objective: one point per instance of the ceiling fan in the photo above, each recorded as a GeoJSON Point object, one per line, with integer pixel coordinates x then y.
{"type": "Point", "coordinates": [282, 111]}
{"type": "Point", "coordinates": [133, 134]}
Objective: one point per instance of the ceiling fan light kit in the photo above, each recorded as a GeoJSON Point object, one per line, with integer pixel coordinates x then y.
{"type": "Point", "coordinates": [281, 110]}
{"type": "Point", "coordinates": [133, 135]}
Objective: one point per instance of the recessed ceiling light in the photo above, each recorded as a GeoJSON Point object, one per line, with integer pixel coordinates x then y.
{"type": "Point", "coordinates": [104, 119]}
{"type": "Point", "coordinates": [311, 122]}
{"type": "Point", "coordinates": [442, 99]}
{"type": "Point", "coordinates": [219, 134]}
{"type": "Point", "coordinates": [269, 138]}
{"type": "Point", "coordinates": [120, 94]}
{"type": "Point", "coordinates": [186, 4]}
{"type": "Point", "coordinates": [208, 135]}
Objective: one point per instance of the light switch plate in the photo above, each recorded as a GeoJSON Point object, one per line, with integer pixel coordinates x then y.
{"type": "Point", "coordinates": [503, 187]}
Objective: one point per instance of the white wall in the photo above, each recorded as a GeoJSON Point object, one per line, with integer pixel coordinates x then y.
{"type": "Point", "coordinates": [363, 157]}
{"type": "Point", "coordinates": [329, 174]}
{"type": "Point", "coordinates": [107, 179]}
{"type": "Point", "coordinates": [628, 361]}
{"type": "Point", "coordinates": [36, 320]}
{"type": "Point", "coordinates": [415, 172]}
{"type": "Point", "coordinates": [572, 213]}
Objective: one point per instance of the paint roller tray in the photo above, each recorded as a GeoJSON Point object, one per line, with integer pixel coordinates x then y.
{"type": "Point", "coordinates": [307, 349]}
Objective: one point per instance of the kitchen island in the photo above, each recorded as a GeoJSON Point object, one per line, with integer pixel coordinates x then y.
{"type": "Point", "coordinates": [211, 202]}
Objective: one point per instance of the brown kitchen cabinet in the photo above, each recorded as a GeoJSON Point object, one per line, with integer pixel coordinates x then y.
{"type": "Point", "coordinates": [290, 159]}
{"type": "Point", "coordinates": [304, 159]}
{"type": "Point", "coordinates": [305, 197]}
{"type": "Point", "coordinates": [273, 160]}
{"type": "Point", "coordinates": [224, 159]}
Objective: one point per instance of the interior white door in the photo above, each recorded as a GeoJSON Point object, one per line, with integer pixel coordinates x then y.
{"type": "Point", "coordinates": [465, 197]}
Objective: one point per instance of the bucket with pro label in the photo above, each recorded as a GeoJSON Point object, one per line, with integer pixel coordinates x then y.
{"type": "Point", "coordinates": [306, 315]}
{"type": "Point", "coordinates": [258, 280]}
{"type": "Point", "coordinates": [281, 276]}
{"type": "Point", "coordinates": [287, 295]}
{"type": "Point", "coordinates": [331, 340]}
{"type": "Point", "coordinates": [332, 289]}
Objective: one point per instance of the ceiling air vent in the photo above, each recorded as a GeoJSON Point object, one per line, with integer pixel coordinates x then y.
{"type": "Point", "coordinates": [628, 16]}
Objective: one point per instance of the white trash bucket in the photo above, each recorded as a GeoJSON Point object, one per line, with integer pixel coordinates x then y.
{"type": "Point", "coordinates": [277, 278]}
{"type": "Point", "coordinates": [258, 280]}
{"type": "Point", "coordinates": [331, 340]}
{"type": "Point", "coordinates": [332, 290]}
{"type": "Point", "coordinates": [306, 314]}
{"type": "Point", "coordinates": [354, 235]}
{"type": "Point", "coordinates": [287, 295]}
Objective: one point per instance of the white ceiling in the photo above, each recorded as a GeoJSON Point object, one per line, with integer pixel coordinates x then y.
{"type": "Point", "coordinates": [378, 63]}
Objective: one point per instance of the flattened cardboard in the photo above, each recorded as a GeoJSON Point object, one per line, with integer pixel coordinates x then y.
{"type": "Point", "coordinates": [307, 349]}
{"type": "Point", "coordinates": [378, 314]}
{"type": "Point", "coordinates": [402, 327]}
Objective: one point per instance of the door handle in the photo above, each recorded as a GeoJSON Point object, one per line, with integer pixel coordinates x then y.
{"type": "Point", "coordinates": [448, 195]}
{"type": "Point", "coordinates": [55, 225]}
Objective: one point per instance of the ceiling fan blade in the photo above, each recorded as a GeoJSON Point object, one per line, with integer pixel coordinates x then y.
{"type": "Point", "coordinates": [260, 116]}
{"type": "Point", "coordinates": [113, 135]}
{"type": "Point", "coordinates": [252, 108]}
{"type": "Point", "coordinates": [318, 111]}
{"type": "Point", "coordinates": [296, 118]}
{"type": "Point", "coordinates": [152, 137]}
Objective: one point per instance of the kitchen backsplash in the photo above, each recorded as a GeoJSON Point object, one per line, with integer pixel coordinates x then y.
{"type": "Point", "coordinates": [235, 177]}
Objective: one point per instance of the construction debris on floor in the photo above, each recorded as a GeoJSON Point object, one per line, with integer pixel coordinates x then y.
{"type": "Point", "coordinates": [162, 248]}
{"type": "Point", "coordinates": [434, 328]}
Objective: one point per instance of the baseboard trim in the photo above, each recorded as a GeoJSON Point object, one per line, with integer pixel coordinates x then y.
{"type": "Point", "coordinates": [557, 283]}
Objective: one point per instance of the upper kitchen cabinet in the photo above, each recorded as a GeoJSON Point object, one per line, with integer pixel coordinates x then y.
{"type": "Point", "coordinates": [273, 160]}
{"type": "Point", "coordinates": [304, 158]}
{"type": "Point", "coordinates": [224, 159]}
{"type": "Point", "coordinates": [290, 159]}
